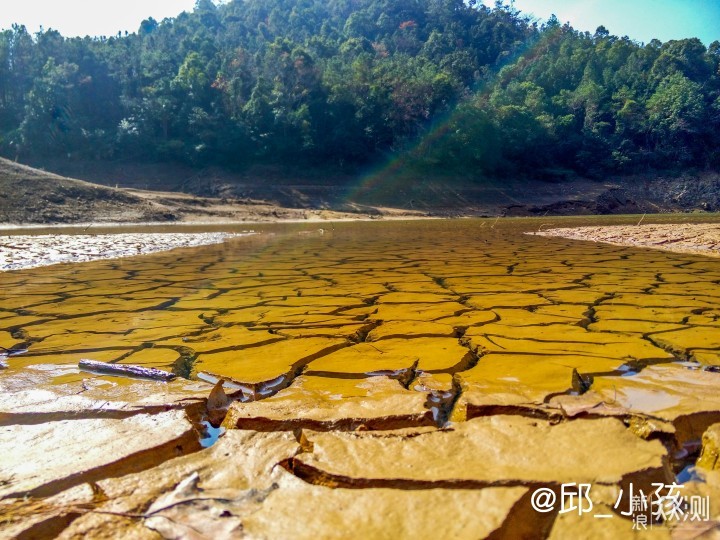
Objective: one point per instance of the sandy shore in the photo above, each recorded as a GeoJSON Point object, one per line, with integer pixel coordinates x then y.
{"type": "Point", "coordinates": [22, 252]}
{"type": "Point", "coordinates": [702, 238]}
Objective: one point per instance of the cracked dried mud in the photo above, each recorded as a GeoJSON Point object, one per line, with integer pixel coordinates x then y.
{"type": "Point", "coordinates": [383, 380]}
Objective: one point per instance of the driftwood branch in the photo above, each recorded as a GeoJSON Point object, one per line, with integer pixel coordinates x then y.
{"type": "Point", "coordinates": [128, 370]}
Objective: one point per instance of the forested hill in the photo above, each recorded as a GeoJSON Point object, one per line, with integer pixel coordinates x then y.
{"type": "Point", "coordinates": [444, 85]}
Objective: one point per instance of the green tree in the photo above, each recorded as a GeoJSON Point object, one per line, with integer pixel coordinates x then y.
{"type": "Point", "coordinates": [675, 116]}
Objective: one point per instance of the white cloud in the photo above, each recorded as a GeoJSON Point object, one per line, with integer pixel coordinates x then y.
{"type": "Point", "coordinates": [95, 18]}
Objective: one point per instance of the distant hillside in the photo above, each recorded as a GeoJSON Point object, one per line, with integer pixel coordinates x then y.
{"type": "Point", "coordinates": [29, 195]}
{"type": "Point", "coordinates": [445, 87]}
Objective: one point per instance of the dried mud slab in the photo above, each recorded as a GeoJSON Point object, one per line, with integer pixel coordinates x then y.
{"type": "Point", "coordinates": [269, 367]}
{"type": "Point", "coordinates": [44, 518]}
{"type": "Point", "coordinates": [508, 381]}
{"type": "Point", "coordinates": [53, 460]}
{"type": "Point", "coordinates": [338, 404]}
{"type": "Point", "coordinates": [687, 398]}
{"type": "Point", "coordinates": [414, 329]}
{"type": "Point", "coordinates": [213, 494]}
{"type": "Point", "coordinates": [42, 395]}
{"type": "Point", "coordinates": [705, 487]}
{"type": "Point", "coordinates": [385, 513]}
{"type": "Point", "coordinates": [394, 355]}
{"type": "Point", "coordinates": [563, 340]}
{"type": "Point", "coordinates": [121, 507]}
{"type": "Point", "coordinates": [483, 452]}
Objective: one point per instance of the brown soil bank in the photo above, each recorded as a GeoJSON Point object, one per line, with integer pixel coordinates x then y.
{"type": "Point", "coordinates": [272, 194]}
{"type": "Point", "coordinates": [634, 195]}
{"type": "Point", "coordinates": [703, 238]}
{"type": "Point", "coordinates": [29, 195]}
{"type": "Point", "coordinates": [406, 190]}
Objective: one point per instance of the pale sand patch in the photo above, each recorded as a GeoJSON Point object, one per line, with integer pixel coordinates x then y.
{"type": "Point", "coordinates": [22, 252]}
{"type": "Point", "coordinates": [701, 238]}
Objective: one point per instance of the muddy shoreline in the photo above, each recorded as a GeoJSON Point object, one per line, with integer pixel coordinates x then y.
{"type": "Point", "coordinates": [699, 238]}
{"type": "Point", "coordinates": [24, 251]}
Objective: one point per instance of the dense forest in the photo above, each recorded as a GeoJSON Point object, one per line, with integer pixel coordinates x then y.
{"type": "Point", "coordinates": [446, 85]}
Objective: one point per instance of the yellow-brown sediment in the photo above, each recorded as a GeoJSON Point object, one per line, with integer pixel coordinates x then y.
{"type": "Point", "coordinates": [377, 368]}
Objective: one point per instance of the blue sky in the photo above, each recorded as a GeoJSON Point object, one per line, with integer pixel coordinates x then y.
{"type": "Point", "coordinates": [641, 20]}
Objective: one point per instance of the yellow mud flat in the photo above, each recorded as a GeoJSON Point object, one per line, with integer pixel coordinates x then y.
{"type": "Point", "coordinates": [524, 379]}
{"type": "Point", "coordinates": [418, 311]}
{"type": "Point", "coordinates": [64, 358]}
{"type": "Point", "coordinates": [706, 357]}
{"type": "Point", "coordinates": [17, 300]}
{"type": "Point", "coordinates": [366, 358]}
{"type": "Point", "coordinates": [214, 340]}
{"type": "Point", "coordinates": [77, 341]}
{"type": "Point", "coordinates": [7, 341]}
{"type": "Point", "coordinates": [469, 318]}
{"type": "Point", "coordinates": [689, 338]}
{"type": "Point", "coordinates": [83, 305]}
{"type": "Point", "coordinates": [414, 298]}
{"type": "Point", "coordinates": [629, 313]}
{"type": "Point", "coordinates": [383, 380]}
{"type": "Point", "coordinates": [709, 317]}
{"type": "Point", "coordinates": [500, 300]}
{"type": "Point", "coordinates": [557, 339]}
{"type": "Point", "coordinates": [427, 354]}
{"type": "Point", "coordinates": [155, 357]}
{"type": "Point", "coordinates": [632, 327]}
{"type": "Point", "coordinates": [157, 322]}
{"type": "Point", "coordinates": [407, 329]}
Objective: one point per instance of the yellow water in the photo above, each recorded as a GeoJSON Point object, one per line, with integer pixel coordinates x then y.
{"type": "Point", "coordinates": [508, 315]}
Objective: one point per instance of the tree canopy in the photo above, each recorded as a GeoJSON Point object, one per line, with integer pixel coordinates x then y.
{"type": "Point", "coordinates": [449, 85]}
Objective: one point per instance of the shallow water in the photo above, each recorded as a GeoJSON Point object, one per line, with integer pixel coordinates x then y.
{"type": "Point", "coordinates": [361, 299]}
